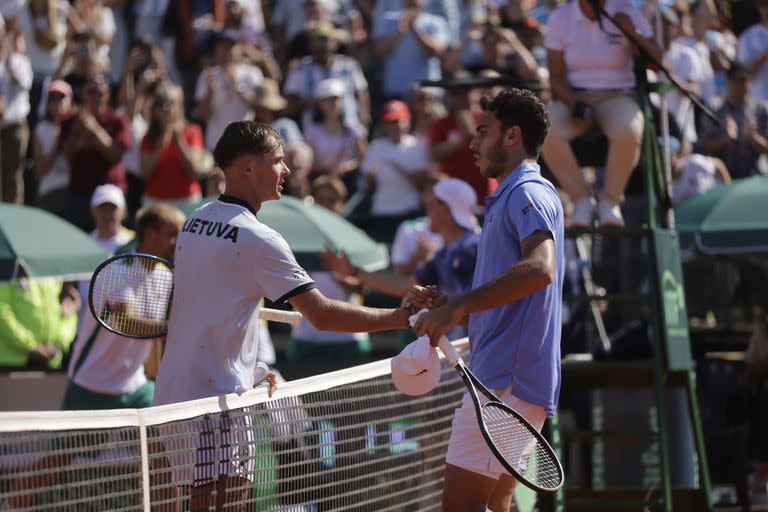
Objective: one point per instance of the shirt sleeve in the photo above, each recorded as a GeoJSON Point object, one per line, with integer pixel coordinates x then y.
{"type": "Point", "coordinates": [530, 209]}
{"type": "Point", "coordinates": [746, 52]}
{"type": "Point", "coordinates": [293, 81]}
{"type": "Point", "coordinates": [384, 26]}
{"type": "Point", "coordinates": [554, 40]}
{"type": "Point", "coordinates": [404, 243]}
{"type": "Point", "coordinates": [277, 273]}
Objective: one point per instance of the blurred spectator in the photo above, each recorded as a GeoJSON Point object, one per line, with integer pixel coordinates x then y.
{"type": "Point", "coordinates": [172, 152]}
{"type": "Point", "coordinates": [144, 71]}
{"type": "Point", "coordinates": [248, 17]}
{"type": "Point", "coordinates": [43, 23]}
{"type": "Point", "coordinates": [694, 174]}
{"type": "Point", "coordinates": [337, 145]}
{"type": "Point", "coordinates": [299, 157]}
{"type": "Point", "coordinates": [148, 20]}
{"type": "Point", "coordinates": [740, 139]}
{"type": "Point", "coordinates": [452, 11]}
{"type": "Point", "coordinates": [215, 183]}
{"type": "Point", "coordinates": [96, 17]}
{"type": "Point", "coordinates": [224, 92]}
{"type": "Point", "coordinates": [79, 62]}
{"type": "Point", "coordinates": [323, 63]}
{"type": "Point", "coordinates": [699, 17]}
{"type": "Point", "coordinates": [489, 46]}
{"type": "Point", "coordinates": [395, 165]}
{"type": "Point", "coordinates": [118, 49]}
{"type": "Point", "coordinates": [289, 17]}
{"type": "Point", "coordinates": [330, 350]}
{"type": "Point", "coordinates": [268, 108]}
{"type": "Point", "coordinates": [15, 83]}
{"type": "Point", "coordinates": [591, 76]}
{"type": "Point", "coordinates": [49, 164]}
{"type": "Point", "coordinates": [426, 107]}
{"type": "Point", "coordinates": [411, 42]}
{"type": "Point", "coordinates": [106, 370]}
{"type": "Point", "coordinates": [316, 14]}
{"type": "Point", "coordinates": [686, 65]}
{"type": "Point", "coordinates": [753, 52]}
{"type": "Point", "coordinates": [38, 319]}
{"type": "Point", "coordinates": [449, 141]}
{"type": "Point", "coordinates": [93, 140]}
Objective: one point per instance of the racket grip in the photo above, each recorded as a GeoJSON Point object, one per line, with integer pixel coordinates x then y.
{"type": "Point", "coordinates": [449, 351]}
{"type": "Point", "coordinates": [284, 317]}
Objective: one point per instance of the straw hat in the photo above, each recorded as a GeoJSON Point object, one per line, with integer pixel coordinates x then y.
{"type": "Point", "coordinates": [268, 94]}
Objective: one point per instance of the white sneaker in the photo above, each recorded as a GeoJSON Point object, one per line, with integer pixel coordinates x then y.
{"type": "Point", "coordinates": [583, 212]}
{"type": "Point", "coordinates": [609, 214]}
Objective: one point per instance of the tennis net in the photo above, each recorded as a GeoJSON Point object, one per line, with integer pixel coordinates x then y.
{"type": "Point", "coordinates": [346, 440]}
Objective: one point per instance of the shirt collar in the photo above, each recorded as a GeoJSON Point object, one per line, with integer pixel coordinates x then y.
{"type": "Point", "coordinates": [514, 177]}
{"type": "Point", "coordinates": [224, 198]}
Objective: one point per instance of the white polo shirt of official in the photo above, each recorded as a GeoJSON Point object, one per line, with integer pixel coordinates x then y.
{"type": "Point", "coordinates": [595, 59]}
{"type": "Point", "coordinates": [226, 261]}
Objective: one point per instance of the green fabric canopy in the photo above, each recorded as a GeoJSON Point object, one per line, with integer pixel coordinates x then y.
{"type": "Point", "coordinates": [309, 228]}
{"type": "Point", "coordinates": [730, 219]}
{"type": "Point", "coordinates": [46, 245]}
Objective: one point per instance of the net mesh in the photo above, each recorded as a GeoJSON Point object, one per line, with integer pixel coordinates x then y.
{"type": "Point", "coordinates": [357, 446]}
{"type": "Point", "coordinates": [132, 295]}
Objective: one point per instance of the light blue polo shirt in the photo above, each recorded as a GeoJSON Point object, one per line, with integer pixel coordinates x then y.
{"type": "Point", "coordinates": [519, 343]}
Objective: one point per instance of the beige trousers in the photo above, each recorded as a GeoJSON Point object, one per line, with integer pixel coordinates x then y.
{"type": "Point", "coordinates": [619, 117]}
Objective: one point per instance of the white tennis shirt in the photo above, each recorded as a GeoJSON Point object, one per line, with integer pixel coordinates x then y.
{"type": "Point", "coordinates": [226, 262]}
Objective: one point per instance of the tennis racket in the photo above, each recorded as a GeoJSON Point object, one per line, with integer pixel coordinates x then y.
{"type": "Point", "coordinates": [513, 440]}
{"type": "Point", "coordinates": [131, 295]}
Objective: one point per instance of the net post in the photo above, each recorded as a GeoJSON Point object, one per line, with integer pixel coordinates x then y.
{"type": "Point", "coordinates": [144, 453]}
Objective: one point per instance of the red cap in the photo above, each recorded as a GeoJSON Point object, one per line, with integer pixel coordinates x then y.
{"type": "Point", "coordinates": [394, 110]}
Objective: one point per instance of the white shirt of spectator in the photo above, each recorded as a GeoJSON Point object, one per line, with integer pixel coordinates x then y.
{"type": "Point", "coordinates": [115, 364]}
{"type": "Point", "coordinates": [305, 331]}
{"type": "Point", "coordinates": [303, 79]}
{"type": "Point", "coordinates": [395, 194]}
{"type": "Point", "coordinates": [327, 146]}
{"type": "Point", "coordinates": [220, 279]}
{"type": "Point", "coordinates": [594, 59]}
{"type": "Point", "coordinates": [686, 64]}
{"type": "Point", "coordinates": [753, 43]}
{"type": "Point", "coordinates": [16, 93]}
{"type": "Point", "coordinates": [227, 105]}
{"type": "Point", "coordinates": [58, 176]}
{"type": "Point", "coordinates": [707, 86]}
{"type": "Point", "coordinates": [132, 157]}
{"type": "Point", "coordinates": [44, 62]}
{"type": "Point", "coordinates": [697, 176]}
{"type": "Point", "coordinates": [407, 239]}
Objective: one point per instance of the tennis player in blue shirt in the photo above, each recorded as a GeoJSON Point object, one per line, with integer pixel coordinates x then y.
{"type": "Point", "coordinates": [514, 307]}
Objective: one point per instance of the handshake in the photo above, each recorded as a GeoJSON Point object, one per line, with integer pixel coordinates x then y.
{"type": "Point", "coordinates": [442, 316]}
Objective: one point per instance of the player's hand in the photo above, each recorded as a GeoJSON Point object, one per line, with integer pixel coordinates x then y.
{"type": "Point", "coordinates": [272, 384]}
{"type": "Point", "coordinates": [420, 297]}
{"type": "Point", "coordinates": [439, 321]}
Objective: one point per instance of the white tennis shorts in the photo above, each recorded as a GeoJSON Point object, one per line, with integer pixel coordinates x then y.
{"type": "Point", "coordinates": [202, 450]}
{"type": "Point", "coordinates": [467, 448]}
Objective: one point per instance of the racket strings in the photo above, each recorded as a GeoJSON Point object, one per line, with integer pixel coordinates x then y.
{"type": "Point", "coordinates": [133, 296]}
{"type": "Point", "coordinates": [518, 445]}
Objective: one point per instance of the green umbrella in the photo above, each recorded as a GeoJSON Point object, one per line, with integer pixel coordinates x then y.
{"type": "Point", "coordinates": [46, 245]}
{"type": "Point", "coordinates": [309, 228]}
{"type": "Point", "coordinates": [730, 219]}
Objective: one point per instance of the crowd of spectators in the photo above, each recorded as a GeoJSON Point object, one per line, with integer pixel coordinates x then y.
{"type": "Point", "coordinates": [135, 94]}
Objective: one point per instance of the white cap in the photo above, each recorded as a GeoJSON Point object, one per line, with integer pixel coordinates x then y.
{"type": "Point", "coordinates": [461, 200]}
{"type": "Point", "coordinates": [108, 194]}
{"type": "Point", "coordinates": [416, 370]}
{"type": "Point", "coordinates": [330, 88]}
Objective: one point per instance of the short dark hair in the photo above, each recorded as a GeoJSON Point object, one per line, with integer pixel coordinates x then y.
{"type": "Point", "coordinates": [244, 138]}
{"type": "Point", "coordinates": [520, 107]}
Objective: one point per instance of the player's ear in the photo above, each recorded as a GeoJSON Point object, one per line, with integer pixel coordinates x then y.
{"type": "Point", "coordinates": [512, 135]}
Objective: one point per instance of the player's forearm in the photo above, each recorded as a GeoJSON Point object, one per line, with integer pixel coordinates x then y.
{"type": "Point", "coordinates": [344, 317]}
{"type": "Point", "coordinates": [521, 280]}
{"type": "Point", "coordinates": [386, 282]}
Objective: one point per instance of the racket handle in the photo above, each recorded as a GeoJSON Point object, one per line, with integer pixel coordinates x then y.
{"type": "Point", "coordinates": [449, 351]}
{"type": "Point", "coordinates": [277, 315]}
